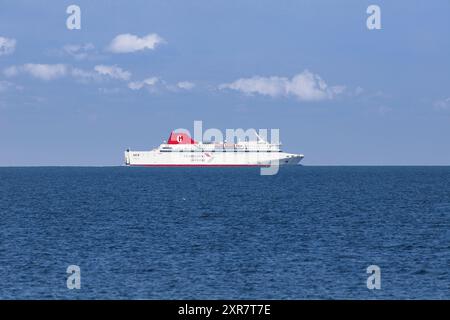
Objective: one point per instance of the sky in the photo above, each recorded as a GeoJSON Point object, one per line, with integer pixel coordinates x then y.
{"type": "Point", "coordinates": [339, 93]}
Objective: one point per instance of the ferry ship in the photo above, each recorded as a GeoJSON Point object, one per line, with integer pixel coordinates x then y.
{"type": "Point", "coordinates": [182, 151]}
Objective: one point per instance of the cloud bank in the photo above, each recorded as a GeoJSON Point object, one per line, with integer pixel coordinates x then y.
{"type": "Point", "coordinates": [49, 72]}
{"type": "Point", "coordinates": [137, 85]}
{"type": "Point", "coordinates": [186, 85]}
{"type": "Point", "coordinates": [79, 51]}
{"type": "Point", "coordinates": [305, 86]}
{"type": "Point", "coordinates": [113, 72]}
{"type": "Point", "coordinates": [40, 71]}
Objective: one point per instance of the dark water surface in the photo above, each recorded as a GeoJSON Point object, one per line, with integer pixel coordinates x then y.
{"type": "Point", "coordinates": [205, 233]}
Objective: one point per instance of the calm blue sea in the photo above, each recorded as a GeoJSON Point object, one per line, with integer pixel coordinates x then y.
{"type": "Point", "coordinates": [227, 233]}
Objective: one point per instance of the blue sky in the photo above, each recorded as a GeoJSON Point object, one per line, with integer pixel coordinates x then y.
{"type": "Point", "coordinates": [339, 93]}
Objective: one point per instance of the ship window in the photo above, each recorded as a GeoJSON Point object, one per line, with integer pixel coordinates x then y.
{"type": "Point", "coordinates": [165, 150]}
{"type": "Point", "coordinates": [246, 150]}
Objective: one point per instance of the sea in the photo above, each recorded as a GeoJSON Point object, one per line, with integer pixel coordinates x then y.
{"type": "Point", "coordinates": [308, 232]}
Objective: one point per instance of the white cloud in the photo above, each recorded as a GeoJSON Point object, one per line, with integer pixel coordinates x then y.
{"type": "Point", "coordinates": [54, 71]}
{"type": "Point", "coordinates": [79, 51]}
{"type": "Point", "coordinates": [154, 84]}
{"type": "Point", "coordinates": [113, 72]}
{"type": "Point", "coordinates": [137, 85]}
{"type": "Point", "coordinates": [126, 43]}
{"type": "Point", "coordinates": [85, 75]}
{"type": "Point", "coordinates": [305, 86]}
{"type": "Point", "coordinates": [100, 72]}
{"type": "Point", "coordinates": [7, 46]}
{"type": "Point", "coordinates": [45, 71]}
{"type": "Point", "coordinates": [40, 71]}
{"type": "Point", "coordinates": [272, 86]}
{"type": "Point", "coordinates": [186, 85]}
{"type": "Point", "coordinates": [443, 104]}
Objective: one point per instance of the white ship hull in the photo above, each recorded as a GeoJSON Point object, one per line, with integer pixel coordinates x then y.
{"type": "Point", "coordinates": [160, 159]}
